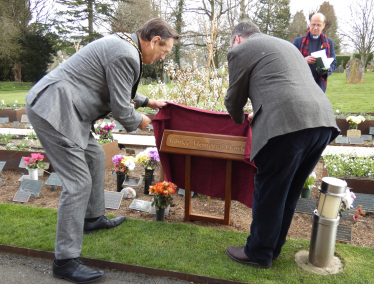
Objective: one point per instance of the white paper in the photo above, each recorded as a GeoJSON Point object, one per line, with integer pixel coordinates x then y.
{"type": "Point", "coordinates": [322, 54]}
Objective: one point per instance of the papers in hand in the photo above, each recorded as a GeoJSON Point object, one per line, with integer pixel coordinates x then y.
{"type": "Point", "coordinates": [321, 59]}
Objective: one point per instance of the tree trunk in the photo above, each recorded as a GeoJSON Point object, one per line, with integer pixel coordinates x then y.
{"type": "Point", "coordinates": [17, 72]}
{"type": "Point", "coordinates": [90, 20]}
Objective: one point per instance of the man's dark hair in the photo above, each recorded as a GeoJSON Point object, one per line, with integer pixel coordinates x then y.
{"type": "Point", "coordinates": [245, 28]}
{"type": "Point", "coordinates": [157, 27]}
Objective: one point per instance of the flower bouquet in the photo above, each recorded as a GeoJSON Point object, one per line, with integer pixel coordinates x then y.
{"type": "Point", "coordinates": [347, 201]}
{"type": "Point", "coordinates": [162, 197]}
{"type": "Point", "coordinates": [104, 130]}
{"type": "Point", "coordinates": [354, 121]}
{"type": "Point", "coordinates": [150, 160]}
{"type": "Point", "coordinates": [308, 185]}
{"type": "Point", "coordinates": [34, 163]}
{"type": "Point", "coordinates": [123, 165]}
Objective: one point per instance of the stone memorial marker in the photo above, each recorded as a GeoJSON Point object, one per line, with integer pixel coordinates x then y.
{"type": "Point", "coordinates": [356, 140]}
{"type": "Point", "coordinates": [32, 186]}
{"type": "Point", "coordinates": [345, 215]}
{"type": "Point", "coordinates": [341, 140]}
{"type": "Point", "coordinates": [306, 205]}
{"type": "Point", "coordinates": [53, 180]}
{"type": "Point", "coordinates": [371, 130]}
{"type": "Point", "coordinates": [22, 163]}
{"type": "Point", "coordinates": [344, 234]}
{"type": "Point", "coordinates": [114, 174]}
{"type": "Point", "coordinates": [16, 123]}
{"type": "Point", "coordinates": [28, 125]}
{"type": "Point", "coordinates": [340, 69]}
{"type": "Point", "coordinates": [141, 205]}
{"type": "Point", "coordinates": [2, 165]}
{"type": "Point", "coordinates": [24, 118]}
{"type": "Point", "coordinates": [153, 210]}
{"type": "Point", "coordinates": [355, 72]}
{"type": "Point", "coordinates": [24, 177]}
{"type": "Point", "coordinates": [366, 200]}
{"type": "Point", "coordinates": [112, 199]}
{"type": "Point", "coordinates": [21, 196]}
{"type": "Point", "coordinates": [130, 151]}
{"type": "Point", "coordinates": [182, 192]}
{"type": "Point", "coordinates": [118, 126]}
{"type": "Point", "coordinates": [367, 137]}
{"type": "Point", "coordinates": [4, 119]}
{"type": "Point", "coordinates": [131, 181]}
{"type": "Point", "coordinates": [106, 120]}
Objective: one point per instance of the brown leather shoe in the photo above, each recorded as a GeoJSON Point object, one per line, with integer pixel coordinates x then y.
{"type": "Point", "coordinates": [237, 254]}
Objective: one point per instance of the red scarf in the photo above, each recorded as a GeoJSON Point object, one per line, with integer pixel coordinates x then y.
{"type": "Point", "coordinates": [305, 52]}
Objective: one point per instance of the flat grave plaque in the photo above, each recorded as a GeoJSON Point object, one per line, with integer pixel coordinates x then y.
{"type": "Point", "coordinates": [345, 215]}
{"type": "Point", "coordinates": [306, 205]}
{"type": "Point", "coordinates": [113, 199]}
{"type": "Point", "coordinates": [344, 234]}
{"type": "Point", "coordinates": [181, 191]}
{"type": "Point", "coordinates": [114, 174]}
{"type": "Point", "coordinates": [24, 177]}
{"type": "Point", "coordinates": [366, 200]}
{"type": "Point", "coordinates": [28, 125]}
{"type": "Point", "coordinates": [53, 180]}
{"type": "Point", "coordinates": [371, 130]}
{"type": "Point", "coordinates": [153, 210]}
{"type": "Point", "coordinates": [24, 118]}
{"type": "Point", "coordinates": [4, 119]}
{"type": "Point", "coordinates": [341, 140]}
{"type": "Point", "coordinates": [356, 140]}
{"type": "Point", "coordinates": [22, 163]}
{"type": "Point", "coordinates": [131, 181]}
{"type": "Point", "coordinates": [141, 205]}
{"type": "Point", "coordinates": [15, 123]}
{"type": "Point", "coordinates": [367, 137]}
{"type": "Point", "coordinates": [107, 120]}
{"type": "Point", "coordinates": [32, 186]}
{"type": "Point", "coordinates": [2, 165]}
{"type": "Point", "coordinates": [21, 196]}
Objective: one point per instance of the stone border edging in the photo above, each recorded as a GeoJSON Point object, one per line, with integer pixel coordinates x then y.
{"type": "Point", "coordinates": [103, 264]}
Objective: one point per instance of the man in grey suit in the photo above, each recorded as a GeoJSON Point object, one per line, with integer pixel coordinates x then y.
{"type": "Point", "coordinates": [100, 78]}
{"type": "Point", "coordinates": [292, 123]}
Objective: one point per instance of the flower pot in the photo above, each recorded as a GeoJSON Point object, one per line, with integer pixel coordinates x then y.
{"type": "Point", "coordinates": [160, 214]}
{"type": "Point", "coordinates": [354, 133]}
{"type": "Point", "coordinates": [120, 180]}
{"type": "Point", "coordinates": [147, 180]}
{"type": "Point", "coordinates": [305, 193]}
{"type": "Point", "coordinates": [33, 174]}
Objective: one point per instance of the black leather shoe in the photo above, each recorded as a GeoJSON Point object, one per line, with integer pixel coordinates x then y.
{"type": "Point", "coordinates": [75, 271]}
{"type": "Point", "coordinates": [237, 254]}
{"type": "Point", "coordinates": [103, 223]}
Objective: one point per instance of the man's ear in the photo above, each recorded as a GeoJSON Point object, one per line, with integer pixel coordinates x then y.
{"type": "Point", "coordinates": [154, 40]}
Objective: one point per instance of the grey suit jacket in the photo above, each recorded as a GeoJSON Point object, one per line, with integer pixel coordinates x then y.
{"type": "Point", "coordinates": [273, 74]}
{"type": "Point", "coordinates": [94, 81]}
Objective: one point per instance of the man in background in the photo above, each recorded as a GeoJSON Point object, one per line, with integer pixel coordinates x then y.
{"type": "Point", "coordinates": [315, 40]}
{"type": "Point", "coordinates": [292, 122]}
{"type": "Point", "coordinates": [100, 78]}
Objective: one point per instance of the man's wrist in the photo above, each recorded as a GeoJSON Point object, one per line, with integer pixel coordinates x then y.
{"type": "Point", "coordinates": [145, 103]}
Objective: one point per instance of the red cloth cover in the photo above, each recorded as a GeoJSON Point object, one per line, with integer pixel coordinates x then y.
{"type": "Point", "coordinates": [208, 175]}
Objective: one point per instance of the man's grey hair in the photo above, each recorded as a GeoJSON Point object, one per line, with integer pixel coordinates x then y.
{"type": "Point", "coordinates": [319, 15]}
{"type": "Point", "coordinates": [245, 28]}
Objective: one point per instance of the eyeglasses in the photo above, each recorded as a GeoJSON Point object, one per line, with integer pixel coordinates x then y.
{"type": "Point", "coordinates": [316, 25]}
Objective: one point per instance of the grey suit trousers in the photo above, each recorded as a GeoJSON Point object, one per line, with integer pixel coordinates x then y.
{"type": "Point", "coordinates": [82, 172]}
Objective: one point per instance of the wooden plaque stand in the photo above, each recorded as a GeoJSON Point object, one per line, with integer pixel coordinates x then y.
{"type": "Point", "coordinates": [205, 145]}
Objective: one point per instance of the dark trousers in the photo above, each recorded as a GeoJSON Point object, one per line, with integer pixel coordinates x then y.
{"type": "Point", "coordinates": [283, 165]}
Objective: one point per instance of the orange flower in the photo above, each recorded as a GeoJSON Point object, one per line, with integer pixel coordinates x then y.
{"type": "Point", "coordinates": [116, 165]}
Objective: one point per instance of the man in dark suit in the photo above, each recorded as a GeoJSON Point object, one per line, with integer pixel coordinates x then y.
{"type": "Point", "coordinates": [315, 40]}
{"type": "Point", "coordinates": [100, 78]}
{"type": "Point", "coordinates": [292, 122]}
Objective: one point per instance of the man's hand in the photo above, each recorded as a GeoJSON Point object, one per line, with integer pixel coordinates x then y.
{"type": "Point", "coordinates": [145, 122]}
{"type": "Point", "coordinates": [310, 59]}
{"type": "Point", "coordinates": [321, 71]}
{"type": "Point", "coordinates": [156, 103]}
{"type": "Point", "coordinates": [250, 117]}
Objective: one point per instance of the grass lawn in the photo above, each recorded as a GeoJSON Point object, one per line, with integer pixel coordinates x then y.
{"type": "Point", "coordinates": [179, 247]}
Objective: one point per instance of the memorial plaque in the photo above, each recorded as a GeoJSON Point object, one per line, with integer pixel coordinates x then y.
{"type": "Point", "coordinates": [113, 199]}
{"type": "Point", "coordinates": [153, 210]}
{"type": "Point", "coordinates": [130, 151]}
{"type": "Point", "coordinates": [32, 186]}
{"type": "Point", "coordinates": [22, 163]}
{"type": "Point", "coordinates": [341, 140]}
{"type": "Point", "coordinates": [16, 123]}
{"type": "Point", "coordinates": [367, 137]}
{"type": "Point", "coordinates": [181, 191]}
{"type": "Point", "coordinates": [114, 174]}
{"type": "Point", "coordinates": [345, 215]}
{"type": "Point", "coordinates": [141, 205]}
{"type": "Point", "coordinates": [4, 119]}
{"type": "Point", "coordinates": [22, 196]}
{"type": "Point", "coordinates": [24, 118]}
{"type": "Point", "coordinates": [24, 177]}
{"type": "Point", "coordinates": [371, 130]}
{"type": "Point", "coordinates": [356, 140]}
{"type": "Point", "coordinates": [344, 234]}
{"type": "Point", "coordinates": [131, 181]}
{"type": "Point", "coordinates": [107, 120]}
{"type": "Point", "coordinates": [366, 200]}
{"type": "Point", "coordinates": [28, 125]}
{"type": "Point", "coordinates": [2, 165]}
{"type": "Point", "coordinates": [53, 179]}
{"type": "Point", "coordinates": [306, 205]}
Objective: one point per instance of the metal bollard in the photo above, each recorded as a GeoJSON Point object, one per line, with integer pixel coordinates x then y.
{"type": "Point", "coordinates": [326, 221]}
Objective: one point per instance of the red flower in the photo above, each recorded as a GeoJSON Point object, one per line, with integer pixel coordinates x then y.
{"type": "Point", "coordinates": [356, 217]}
{"type": "Point", "coordinates": [359, 211]}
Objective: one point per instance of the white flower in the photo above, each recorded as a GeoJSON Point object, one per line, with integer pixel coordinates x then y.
{"type": "Point", "coordinates": [26, 138]}
{"type": "Point", "coordinates": [337, 111]}
{"type": "Point", "coordinates": [130, 164]}
{"type": "Point", "coordinates": [348, 199]}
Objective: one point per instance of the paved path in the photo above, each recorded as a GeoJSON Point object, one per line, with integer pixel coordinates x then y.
{"type": "Point", "coordinates": [18, 269]}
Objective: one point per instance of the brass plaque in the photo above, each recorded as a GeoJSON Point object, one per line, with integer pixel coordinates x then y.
{"type": "Point", "coordinates": [206, 144]}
